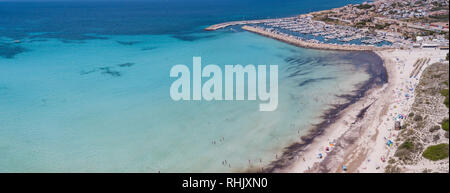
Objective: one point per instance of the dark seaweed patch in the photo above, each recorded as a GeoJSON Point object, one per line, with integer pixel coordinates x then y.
{"type": "Point", "coordinates": [128, 43]}
{"type": "Point", "coordinates": [68, 37]}
{"type": "Point", "coordinates": [378, 76]}
{"type": "Point", "coordinates": [300, 72]}
{"type": "Point", "coordinates": [313, 80]}
{"type": "Point", "coordinates": [128, 64]}
{"type": "Point", "coordinates": [295, 62]}
{"type": "Point", "coordinates": [363, 112]}
{"type": "Point", "coordinates": [298, 66]}
{"type": "Point", "coordinates": [191, 38]}
{"type": "Point", "coordinates": [9, 50]}
{"type": "Point", "coordinates": [107, 70]}
{"type": "Point", "coordinates": [87, 72]}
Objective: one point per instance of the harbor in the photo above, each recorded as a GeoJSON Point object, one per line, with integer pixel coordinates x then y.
{"type": "Point", "coordinates": [308, 43]}
{"type": "Point", "coordinates": [303, 31]}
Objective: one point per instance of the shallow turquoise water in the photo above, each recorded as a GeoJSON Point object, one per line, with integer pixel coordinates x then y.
{"type": "Point", "coordinates": [87, 89]}
{"type": "Point", "coordinates": [72, 107]}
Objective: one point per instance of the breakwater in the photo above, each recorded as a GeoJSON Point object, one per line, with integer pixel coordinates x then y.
{"type": "Point", "coordinates": [306, 44]}
{"type": "Point", "coordinates": [231, 23]}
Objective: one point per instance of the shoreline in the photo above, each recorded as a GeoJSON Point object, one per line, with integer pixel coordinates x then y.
{"type": "Point", "coordinates": [360, 130]}
{"type": "Point", "coordinates": [344, 131]}
{"type": "Point", "coordinates": [292, 153]}
{"type": "Point", "coordinates": [353, 136]}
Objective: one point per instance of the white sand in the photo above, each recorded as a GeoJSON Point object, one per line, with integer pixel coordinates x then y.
{"type": "Point", "coordinates": [361, 144]}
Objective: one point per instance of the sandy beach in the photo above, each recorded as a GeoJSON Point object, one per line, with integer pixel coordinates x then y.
{"type": "Point", "coordinates": [362, 137]}
{"type": "Point", "coordinates": [357, 140]}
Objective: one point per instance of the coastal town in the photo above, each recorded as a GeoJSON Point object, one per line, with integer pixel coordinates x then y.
{"type": "Point", "coordinates": [366, 26]}
{"type": "Point", "coordinates": [401, 126]}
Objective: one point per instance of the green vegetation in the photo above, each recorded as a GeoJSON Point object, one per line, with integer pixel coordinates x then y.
{"type": "Point", "coordinates": [381, 26]}
{"type": "Point", "coordinates": [364, 6]}
{"type": "Point", "coordinates": [406, 150]}
{"type": "Point", "coordinates": [427, 33]}
{"type": "Point", "coordinates": [436, 152]}
{"type": "Point", "coordinates": [326, 19]}
{"type": "Point", "coordinates": [418, 3]}
{"type": "Point", "coordinates": [438, 6]}
{"type": "Point", "coordinates": [444, 92]}
{"type": "Point", "coordinates": [360, 24]}
{"type": "Point", "coordinates": [407, 145]}
{"type": "Point", "coordinates": [422, 131]}
{"type": "Point", "coordinates": [435, 128]}
{"type": "Point", "coordinates": [436, 137]}
{"type": "Point", "coordinates": [418, 118]}
{"type": "Point", "coordinates": [444, 124]}
{"type": "Point", "coordinates": [392, 169]}
{"type": "Point", "coordinates": [443, 17]}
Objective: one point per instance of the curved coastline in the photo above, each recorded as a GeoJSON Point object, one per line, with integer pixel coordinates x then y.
{"type": "Point", "coordinates": [378, 77]}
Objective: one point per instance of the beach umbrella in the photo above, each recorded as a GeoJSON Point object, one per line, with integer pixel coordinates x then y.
{"type": "Point", "coordinates": [389, 143]}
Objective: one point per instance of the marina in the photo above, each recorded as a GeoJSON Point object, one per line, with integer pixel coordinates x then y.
{"type": "Point", "coordinates": [308, 29]}
{"type": "Point", "coordinates": [294, 40]}
{"type": "Point", "coordinates": [304, 31]}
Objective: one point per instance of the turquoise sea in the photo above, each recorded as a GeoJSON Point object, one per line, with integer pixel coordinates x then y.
{"type": "Point", "coordinates": [87, 87]}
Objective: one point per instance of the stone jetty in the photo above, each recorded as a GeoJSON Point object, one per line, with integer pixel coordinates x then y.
{"type": "Point", "coordinates": [303, 43]}
{"type": "Point", "coordinates": [231, 23]}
